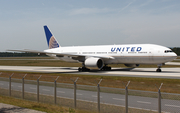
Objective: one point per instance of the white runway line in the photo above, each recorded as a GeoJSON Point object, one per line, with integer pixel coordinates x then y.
{"type": "Point", "coordinates": [96, 96]}
{"type": "Point", "coordinates": [172, 105]}
{"type": "Point", "coordinates": [32, 88]}
{"type": "Point", "coordinates": [78, 94]}
{"type": "Point", "coordinates": [172, 63]}
{"type": "Point", "coordinates": [60, 91]}
{"type": "Point", "coordinates": [144, 102]}
{"type": "Point", "coordinates": [118, 99]}
{"type": "Point", "coordinates": [45, 90]}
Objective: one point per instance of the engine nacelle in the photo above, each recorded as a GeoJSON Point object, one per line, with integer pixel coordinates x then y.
{"type": "Point", "coordinates": [131, 65]}
{"type": "Point", "coordinates": [93, 63]}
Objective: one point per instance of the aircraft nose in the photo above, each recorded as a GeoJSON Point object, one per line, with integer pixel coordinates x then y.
{"type": "Point", "coordinates": [175, 54]}
{"type": "Point", "coordinates": [170, 56]}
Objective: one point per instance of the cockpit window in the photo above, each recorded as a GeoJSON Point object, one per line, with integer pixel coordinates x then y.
{"type": "Point", "coordinates": [168, 51]}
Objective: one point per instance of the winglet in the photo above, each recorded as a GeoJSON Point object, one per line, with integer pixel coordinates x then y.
{"type": "Point", "coordinates": [51, 41]}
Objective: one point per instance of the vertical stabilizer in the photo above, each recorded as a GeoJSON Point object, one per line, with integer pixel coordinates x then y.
{"type": "Point", "coordinates": [51, 41]}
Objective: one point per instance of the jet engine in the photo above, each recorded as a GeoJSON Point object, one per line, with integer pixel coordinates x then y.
{"type": "Point", "coordinates": [93, 63]}
{"type": "Point", "coordinates": [131, 65]}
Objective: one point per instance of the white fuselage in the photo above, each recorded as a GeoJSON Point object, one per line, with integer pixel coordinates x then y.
{"type": "Point", "coordinates": [118, 54]}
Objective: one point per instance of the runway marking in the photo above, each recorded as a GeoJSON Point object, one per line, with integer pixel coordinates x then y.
{"type": "Point", "coordinates": [144, 102]}
{"type": "Point", "coordinates": [60, 91]}
{"type": "Point", "coordinates": [32, 88]}
{"type": "Point", "coordinates": [96, 96]}
{"type": "Point", "coordinates": [45, 90]}
{"type": "Point", "coordinates": [172, 105]}
{"type": "Point", "coordinates": [78, 94]}
{"type": "Point", "coordinates": [119, 99]}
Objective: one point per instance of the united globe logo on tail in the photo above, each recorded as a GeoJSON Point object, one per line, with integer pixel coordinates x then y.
{"type": "Point", "coordinates": [53, 43]}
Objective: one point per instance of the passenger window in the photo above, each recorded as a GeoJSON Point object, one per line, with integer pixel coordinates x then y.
{"type": "Point", "coordinates": [168, 51]}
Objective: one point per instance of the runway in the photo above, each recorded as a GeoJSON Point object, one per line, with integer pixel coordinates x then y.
{"type": "Point", "coordinates": [172, 73]}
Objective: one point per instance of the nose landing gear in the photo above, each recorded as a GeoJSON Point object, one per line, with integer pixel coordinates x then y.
{"type": "Point", "coordinates": [159, 68]}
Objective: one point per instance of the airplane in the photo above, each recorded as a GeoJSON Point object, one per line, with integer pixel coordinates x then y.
{"type": "Point", "coordinates": [98, 57]}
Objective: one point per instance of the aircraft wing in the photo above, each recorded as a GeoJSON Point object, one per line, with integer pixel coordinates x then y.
{"type": "Point", "coordinates": [62, 54]}
{"type": "Point", "coordinates": [26, 50]}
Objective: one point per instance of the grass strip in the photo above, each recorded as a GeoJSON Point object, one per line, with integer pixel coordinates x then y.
{"type": "Point", "coordinates": [49, 108]}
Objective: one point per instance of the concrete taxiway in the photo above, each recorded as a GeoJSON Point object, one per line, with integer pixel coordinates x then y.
{"type": "Point", "coordinates": [172, 73]}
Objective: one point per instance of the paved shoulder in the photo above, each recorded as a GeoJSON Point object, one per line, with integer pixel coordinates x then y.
{"type": "Point", "coordinates": [6, 108]}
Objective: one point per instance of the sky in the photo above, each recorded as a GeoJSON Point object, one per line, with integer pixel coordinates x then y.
{"type": "Point", "coordinates": [89, 22]}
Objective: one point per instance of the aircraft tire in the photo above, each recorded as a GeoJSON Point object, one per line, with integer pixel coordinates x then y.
{"type": "Point", "coordinates": [84, 69]}
{"type": "Point", "coordinates": [106, 68]}
{"type": "Point", "coordinates": [80, 69]}
{"type": "Point", "coordinates": [158, 70]}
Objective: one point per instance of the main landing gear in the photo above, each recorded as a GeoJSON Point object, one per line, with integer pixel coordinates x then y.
{"type": "Point", "coordinates": [106, 68]}
{"type": "Point", "coordinates": [83, 69]}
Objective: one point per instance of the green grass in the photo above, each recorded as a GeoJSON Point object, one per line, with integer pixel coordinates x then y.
{"type": "Point", "coordinates": [49, 108]}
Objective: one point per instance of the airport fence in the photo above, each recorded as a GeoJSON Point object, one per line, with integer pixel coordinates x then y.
{"type": "Point", "coordinates": [94, 98]}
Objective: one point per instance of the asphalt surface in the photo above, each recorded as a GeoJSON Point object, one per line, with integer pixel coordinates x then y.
{"type": "Point", "coordinates": [172, 73]}
{"type": "Point", "coordinates": [137, 102]}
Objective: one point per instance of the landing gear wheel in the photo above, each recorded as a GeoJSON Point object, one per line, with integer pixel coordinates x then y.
{"type": "Point", "coordinates": [83, 69]}
{"type": "Point", "coordinates": [159, 67]}
{"type": "Point", "coordinates": [106, 68]}
{"type": "Point", "coordinates": [80, 69]}
{"type": "Point", "coordinates": [158, 70]}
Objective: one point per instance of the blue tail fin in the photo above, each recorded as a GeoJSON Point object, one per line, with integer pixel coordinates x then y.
{"type": "Point", "coordinates": [52, 42]}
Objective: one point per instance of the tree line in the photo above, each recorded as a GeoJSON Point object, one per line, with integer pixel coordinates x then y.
{"type": "Point", "coordinates": [176, 50]}
{"type": "Point", "coordinates": [14, 54]}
